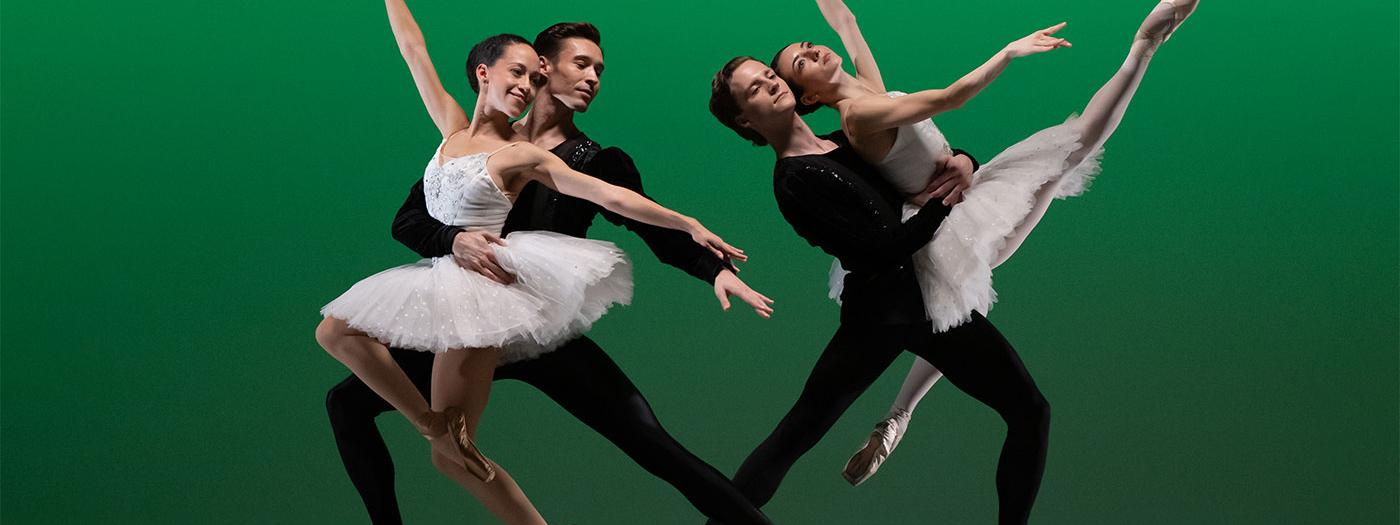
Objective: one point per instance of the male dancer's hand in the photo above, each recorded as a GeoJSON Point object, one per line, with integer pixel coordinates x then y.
{"type": "Point", "coordinates": [949, 183]}
{"type": "Point", "coordinates": [472, 250]}
{"type": "Point", "coordinates": [727, 284]}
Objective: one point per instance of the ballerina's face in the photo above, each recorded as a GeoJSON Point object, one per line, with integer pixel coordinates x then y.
{"type": "Point", "coordinates": [509, 84]}
{"type": "Point", "coordinates": [762, 96]}
{"type": "Point", "coordinates": [811, 67]}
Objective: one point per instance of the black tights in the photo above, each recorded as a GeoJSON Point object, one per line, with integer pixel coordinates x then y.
{"type": "Point", "coordinates": [583, 380]}
{"type": "Point", "coordinates": [973, 356]}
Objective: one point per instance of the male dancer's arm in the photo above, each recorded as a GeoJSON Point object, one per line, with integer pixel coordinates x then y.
{"type": "Point", "coordinates": [415, 228]}
{"type": "Point", "coordinates": [849, 219]}
{"type": "Point", "coordinates": [672, 247]}
{"type": "Point", "coordinates": [975, 165]}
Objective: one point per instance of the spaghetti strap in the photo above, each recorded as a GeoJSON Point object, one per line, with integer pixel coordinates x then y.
{"type": "Point", "coordinates": [498, 150]}
{"type": "Point", "coordinates": [443, 144]}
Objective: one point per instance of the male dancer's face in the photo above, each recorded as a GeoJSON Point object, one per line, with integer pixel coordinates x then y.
{"type": "Point", "coordinates": [765, 102]}
{"type": "Point", "coordinates": [575, 73]}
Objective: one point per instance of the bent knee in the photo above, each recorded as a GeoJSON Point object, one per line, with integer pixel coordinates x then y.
{"type": "Point", "coordinates": [346, 400]}
{"type": "Point", "coordinates": [330, 331]}
{"type": "Point", "coordinates": [1035, 411]}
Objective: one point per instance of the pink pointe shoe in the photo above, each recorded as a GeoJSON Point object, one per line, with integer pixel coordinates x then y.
{"type": "Point", "coordinates": [1161, 23]}
{"type": "Point", "coordinates": [886, 436]}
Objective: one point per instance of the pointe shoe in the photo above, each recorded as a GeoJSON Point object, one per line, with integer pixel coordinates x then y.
{"type": "Point", "coordinates": [449, 429]}
{"type": "Point", "coordinates": [1159, 27]}
{"type": "Point", "coordinates": [886, 436]}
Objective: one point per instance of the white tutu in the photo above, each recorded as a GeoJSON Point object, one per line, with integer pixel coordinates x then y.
{"type": "Point", "coordinates": [954, 270]}
{"type": "Point", "coordinates": [563, 284]}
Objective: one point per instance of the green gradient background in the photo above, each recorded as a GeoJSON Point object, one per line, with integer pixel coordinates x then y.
{"type": "Point", "coordinates": [185, 183]}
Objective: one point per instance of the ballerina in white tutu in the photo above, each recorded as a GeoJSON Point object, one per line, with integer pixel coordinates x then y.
{"type": "Point", "coordinates": [563, 283]}
{"type": "Point", "coordinates": [1008, 195]}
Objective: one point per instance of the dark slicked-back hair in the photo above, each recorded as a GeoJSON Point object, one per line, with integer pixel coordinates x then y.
{"type": "Point", "coordinates": [488, 52]}
{"type": "Point", "coordinates": [802, 109]}
{"type": "Point", "coordinates": [551, 40]}
{"type": "Point", "coordinates": [725, 107]}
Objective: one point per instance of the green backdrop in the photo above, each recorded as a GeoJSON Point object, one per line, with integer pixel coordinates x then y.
{"type": "Point", "coordinates": [186, 183]}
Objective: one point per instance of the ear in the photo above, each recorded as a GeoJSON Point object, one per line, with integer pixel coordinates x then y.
{"type": "Point", "coordinates": [481, 74]}
{"type": "Point", "coordinates": [544, 65]}
{"type": "Point", "coordinates": [809, 99]}
{"type": "Point", "coordinates": [743, 121]}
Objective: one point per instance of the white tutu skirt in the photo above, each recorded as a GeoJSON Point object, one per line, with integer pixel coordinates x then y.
{"type": "Point", "coordinates": [563, 284]}
{"type": "Point", "coordinates": [954, 270]}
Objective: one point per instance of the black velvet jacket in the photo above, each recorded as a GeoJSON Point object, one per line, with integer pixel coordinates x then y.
{"type": "Point", "coordinates": [841, 204]}
{"type": "Point", "coordinates": [540, 208]}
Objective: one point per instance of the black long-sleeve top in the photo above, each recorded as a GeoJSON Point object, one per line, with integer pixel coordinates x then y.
{"type": "Point", "coordinates": [540, 208]}
{"type": "Point", "coordinates": [841, 204]}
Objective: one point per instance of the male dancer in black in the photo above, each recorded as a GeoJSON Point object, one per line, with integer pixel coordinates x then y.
{"type": "Point", "coordinates": [579, 376]}
{"type": "Point", "coordinates": [839, 203]}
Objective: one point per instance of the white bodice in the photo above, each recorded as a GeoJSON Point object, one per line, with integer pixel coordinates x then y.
{"type": "Point", "coordinates": [917, 149]}
{"type": "Point", "coordinates": [460, 192]}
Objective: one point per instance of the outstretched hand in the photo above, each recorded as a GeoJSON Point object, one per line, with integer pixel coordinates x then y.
{"type": "Point", "coordinates": [727, 284]}
{"type": "Point", "coordinates": [716, 245]}
{"type": "Point", "coordinates": [1038, 42]}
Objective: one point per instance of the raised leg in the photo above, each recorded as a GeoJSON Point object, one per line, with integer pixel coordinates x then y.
{"type": "Point", "coordinates": [370, 361]}
{"type": "Point", "coordinates": [1106, 108]}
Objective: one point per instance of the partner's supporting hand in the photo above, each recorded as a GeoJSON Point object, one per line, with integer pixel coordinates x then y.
{"type": "Point", "coordinates": [948, 184]}
{"type": "Point", "coordinates": [472, 251]}
{"type": "Point", "coordinates": [1038, 42]}
{"type": "Point", "coordinates": [727, 284]}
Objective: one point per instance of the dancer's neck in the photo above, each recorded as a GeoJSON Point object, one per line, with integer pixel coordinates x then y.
{"type": "Point", "coordinates": [848, 87]}
{"type": "Point", "coordinates": [549, 123]}
{"type": "Point", "coordinates": [794, 138]}
{"type": "Point", "coordinates": [491, 125]}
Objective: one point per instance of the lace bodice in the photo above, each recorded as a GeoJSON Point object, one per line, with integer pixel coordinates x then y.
{"type": "Point", "coordinates": [460, 192]}
{"type": "Point", "coordinates": [917, 148]}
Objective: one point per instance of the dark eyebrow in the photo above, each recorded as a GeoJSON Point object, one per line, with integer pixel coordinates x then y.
{"type": "Point", "coordinates": [803, 45]}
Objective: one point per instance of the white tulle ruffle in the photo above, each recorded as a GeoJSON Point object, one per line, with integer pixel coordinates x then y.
{"type": "Point", "coordinates": [954, 270]}
{"type": "Point", "coordinates": [563, 284]}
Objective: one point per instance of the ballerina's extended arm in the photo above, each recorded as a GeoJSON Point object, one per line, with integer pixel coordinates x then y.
{"type": "Point", "coordinates": [843, 21]}
{"type": "Point", "coordinates": [868, 114]}
{"type": "Point", "coordinates": [447, 114]}
{"type": "Point", "coordinates": [549, 170]}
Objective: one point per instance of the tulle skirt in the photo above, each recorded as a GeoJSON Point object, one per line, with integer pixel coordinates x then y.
{"type": "Point", "coordinates": [954, 270]}
{"type": "Point", "coordinates": [563, 284]}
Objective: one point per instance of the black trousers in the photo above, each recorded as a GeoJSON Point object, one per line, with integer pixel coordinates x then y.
{"type": "Point", "coordinates": [973, 356]}
{"type": "Point", "coordinates": [583, 380]}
